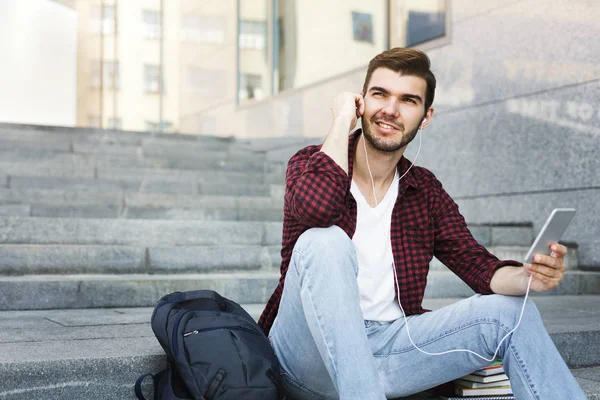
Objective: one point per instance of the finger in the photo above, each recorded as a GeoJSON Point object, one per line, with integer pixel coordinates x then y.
{"type": "Point", "coordinates": [544, 270]}
{"type": "Point", "coordinates": [558, 249]}
{"type": "Point", "coordinates": [548, 282]}
{"type": "Point", "coordinates": [549, 261]}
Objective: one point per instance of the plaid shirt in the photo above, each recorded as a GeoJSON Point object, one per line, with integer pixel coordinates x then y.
{"type": "Point", "coordinates": [425, 223]}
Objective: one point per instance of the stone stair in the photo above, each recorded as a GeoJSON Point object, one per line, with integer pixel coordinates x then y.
{"type": "Point", "coordinates": [96, 225]}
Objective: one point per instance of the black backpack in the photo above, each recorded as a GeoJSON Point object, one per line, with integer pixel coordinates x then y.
{"type": "Point", "coordinates": [215, 351]}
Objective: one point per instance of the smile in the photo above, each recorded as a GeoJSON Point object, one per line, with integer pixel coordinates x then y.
{"type": "Point", "coordinates": [386, 127]}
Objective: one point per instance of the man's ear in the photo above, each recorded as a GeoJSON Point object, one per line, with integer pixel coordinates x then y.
{"type": "Point", "coordinates": [427, 118]}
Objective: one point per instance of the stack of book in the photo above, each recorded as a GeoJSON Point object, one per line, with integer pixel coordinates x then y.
{"type": "Point", "coordinates": [489, 383]}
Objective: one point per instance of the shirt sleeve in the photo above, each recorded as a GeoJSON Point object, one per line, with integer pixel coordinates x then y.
{"type": "Point", "coordinates": [316, 188]}
{"type": "Point", "coordinates": [456, 248]}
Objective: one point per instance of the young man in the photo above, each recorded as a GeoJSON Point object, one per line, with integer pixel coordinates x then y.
{"type": "Point", "coordinates": [360, 228]}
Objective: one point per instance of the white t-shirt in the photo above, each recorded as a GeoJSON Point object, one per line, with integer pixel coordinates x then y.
{"type": "Point", "coordinates": [374, 251]}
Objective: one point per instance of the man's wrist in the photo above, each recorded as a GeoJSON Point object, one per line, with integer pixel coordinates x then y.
{"type": "Point", "coordinates": [341, 124]}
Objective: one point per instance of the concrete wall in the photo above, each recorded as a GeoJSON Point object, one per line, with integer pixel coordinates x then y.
{"type": "Point", "coordinates": [38, 43]}
{"type": "Point", "coordinates": [516, 130]}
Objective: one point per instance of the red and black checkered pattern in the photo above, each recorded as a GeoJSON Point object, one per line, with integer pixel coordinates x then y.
{"type": "Point", "coordinates": [426, 222]}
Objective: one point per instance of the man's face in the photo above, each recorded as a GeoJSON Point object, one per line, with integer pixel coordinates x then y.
{"type": "Point", "coordinates": [393, 109]}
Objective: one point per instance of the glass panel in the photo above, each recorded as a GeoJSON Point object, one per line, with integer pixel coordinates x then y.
{"type": "Point", "coordinates": [113, 123]}
{"type": "Point", "coordinates": [414, 22]}
{"type": "Point", "coordinates": [347, 34]}
{"type": "Point", "coordinates": [109, 70]}
{"type": "Point", "coordinates": [105, 22]}
{"type": "Point", "coordinates": [151, 20]}
{"type": "Point", "coordinates": [151, 78]}
{"type": "Point", "coordinates": [155, 126]}
{"type": "Point", "coordinates": [254, 70]}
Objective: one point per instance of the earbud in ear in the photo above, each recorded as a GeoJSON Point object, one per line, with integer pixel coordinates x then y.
{"type": "Point", "coordinates": [424, 119]}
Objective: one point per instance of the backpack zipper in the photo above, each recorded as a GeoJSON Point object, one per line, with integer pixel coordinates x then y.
{"type": "Point", "coordinates": [233, 328]}
{"type": "Point", "coordinates": [175, 342]}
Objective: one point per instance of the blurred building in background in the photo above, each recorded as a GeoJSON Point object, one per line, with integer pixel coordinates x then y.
{"type": "Point", "coordinates": [182, 65]}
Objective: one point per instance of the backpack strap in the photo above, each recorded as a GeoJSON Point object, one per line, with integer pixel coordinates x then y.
{"type": "Point", "coordinates": [138, 386]}
{"type": "Point", "coordinates": [280, 389]}
{"type": "Point", "coordinates": [215, 384]}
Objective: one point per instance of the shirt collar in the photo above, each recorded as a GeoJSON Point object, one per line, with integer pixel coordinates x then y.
{"type": "Point", "coordinates": [404, 164]}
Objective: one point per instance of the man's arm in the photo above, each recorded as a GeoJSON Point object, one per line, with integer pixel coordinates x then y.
{"type": "Point", "coordinates": [547, 272]}
{"type": "Point", "coordinates": [317, 182]}
{"type": "Point", "coordinates": [456, 248]}
{"type": "Point", "coordinates": [346, 109]}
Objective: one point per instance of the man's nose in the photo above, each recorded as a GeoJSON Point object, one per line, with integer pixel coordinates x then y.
{"type": "Point", "coordinates": [392, 107]}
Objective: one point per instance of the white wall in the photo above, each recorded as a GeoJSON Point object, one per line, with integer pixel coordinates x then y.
{"type": "Point", "coordinates": [38, 55]}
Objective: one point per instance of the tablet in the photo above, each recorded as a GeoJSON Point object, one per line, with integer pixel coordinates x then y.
{"type": "Point", "coordinates": [551, 232]}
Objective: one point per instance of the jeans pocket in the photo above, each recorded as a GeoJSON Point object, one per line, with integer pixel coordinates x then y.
{"type": "Point", "coordinates": [298, 391]}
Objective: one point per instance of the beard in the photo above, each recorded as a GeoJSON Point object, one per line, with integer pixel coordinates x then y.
{"type": "Point", "coordinates": [387, 145]}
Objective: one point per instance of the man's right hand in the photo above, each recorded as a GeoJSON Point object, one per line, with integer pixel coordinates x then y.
{"type": "Point", "coordinates": [348, 107]}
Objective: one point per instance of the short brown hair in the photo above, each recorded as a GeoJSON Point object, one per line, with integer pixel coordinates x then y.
{"type": "Point", "coordinates": [408, 62]}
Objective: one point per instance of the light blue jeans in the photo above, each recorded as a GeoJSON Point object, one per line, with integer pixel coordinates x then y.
{"type": "Point", "coordinates": [327, 350]}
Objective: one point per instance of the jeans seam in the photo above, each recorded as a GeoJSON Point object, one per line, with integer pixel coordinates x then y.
{"type": "Point", "coordinates": [524, 372]}
{"type": "Point", "coordinates": [321, 327]}
{"type": "Point", "coordinates": [459, 328]}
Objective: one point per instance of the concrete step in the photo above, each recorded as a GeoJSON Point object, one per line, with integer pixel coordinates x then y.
{"type": "Point", "coordinates": [144, 185]}
{"type": "Point", "coordinates": [38, 292]}
{"type": "Point", "coordinates": [89, 197]}
{"type": "Point", "coordinates": [62, 163]}
{"type": "Point", "coordinates": [32, 230]}
{"type": "Point", "coordinates": [27, 259]}
{"type": "Point", "coordinates": [31, 292]}
{"type": "Point", "coordinates": [91, 259]}
{"type": "Point", "coordinates": [40, 134]}
{"type": "Point", "coordinates": [17, 230]}
{"type": "Point", "coordinates": [99, 353]}
{"type": "Point", "coordinates": [73, 167]}
{"type": "Point", "coordinates": [81, 203]}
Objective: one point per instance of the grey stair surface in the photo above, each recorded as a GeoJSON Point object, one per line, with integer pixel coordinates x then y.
{"type": "Point", "coordinates": [97, 225]}
{"type": "Point", "coordinates": [99, 353]}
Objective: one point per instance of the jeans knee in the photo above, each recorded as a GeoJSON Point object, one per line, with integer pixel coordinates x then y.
{"type": "Point", "coordinates": [324, 240]}
{"type": "Point", "coordinates": [330, 246]}
{"type": "Point", "coordinates": [507, 309]}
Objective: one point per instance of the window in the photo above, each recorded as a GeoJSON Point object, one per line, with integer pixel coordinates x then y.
{"type": "Point", "coordinates": [152, 79]}
{"type": "Point", "coordinates": [418, 23]}
{"type": "Point", "coordinates": [154, 126]}
{"type": "Point", "coordinates": [99, 23]}
{"type": "Point", "coordinates": [203, 29]}
{"type": "Point", "coordinates": [151, 22]}
{"type": "Point", "coordinates": [110, 72]}
{"type": "Point", "coordinates": [253, 35]}
{"type": "Point", "coordinates": [362, 27]}
{"type": "Point", "coordinates": [113, 123]}
{"type": "Point", "coordinates": [250, 87]}
{"type": "Point", "coordinates": [255, 71]}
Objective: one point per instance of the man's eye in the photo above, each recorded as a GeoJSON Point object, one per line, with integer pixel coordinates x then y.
{"type": "Point", "coordinates": [409, 100]}
{"type": "Point", "coordinates": [377, 94]}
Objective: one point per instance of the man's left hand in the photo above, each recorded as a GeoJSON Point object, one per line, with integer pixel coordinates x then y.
{"type": "Point", "coordinates": [547, 270]}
